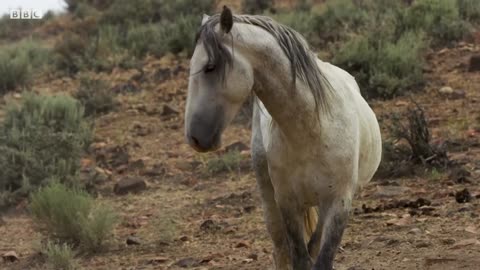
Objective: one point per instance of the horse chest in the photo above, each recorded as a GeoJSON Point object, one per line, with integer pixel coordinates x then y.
{"type": "Point", "coordinates": [301, 178]}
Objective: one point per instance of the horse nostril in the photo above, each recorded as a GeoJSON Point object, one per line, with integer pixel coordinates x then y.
{"type": "Point", "coordinates": [195, 141]}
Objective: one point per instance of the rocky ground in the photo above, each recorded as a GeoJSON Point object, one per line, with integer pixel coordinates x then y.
{"type": "Point", "coordinates": [183, 216]}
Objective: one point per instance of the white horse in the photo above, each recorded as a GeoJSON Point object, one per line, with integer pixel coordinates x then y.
{"type": "Point", "coordinates": [315, 139]}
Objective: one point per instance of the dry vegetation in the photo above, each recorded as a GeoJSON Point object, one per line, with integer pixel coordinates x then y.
{"type": "Point", "coordinates": [95, 174]}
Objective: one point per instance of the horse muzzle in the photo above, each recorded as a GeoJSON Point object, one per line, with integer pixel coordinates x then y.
{"type": "Point", "coordinates": [202, 144]}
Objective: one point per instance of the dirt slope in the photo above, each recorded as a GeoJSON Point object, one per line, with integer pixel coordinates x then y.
{"type": "Point", "coordinates": [190, 219]}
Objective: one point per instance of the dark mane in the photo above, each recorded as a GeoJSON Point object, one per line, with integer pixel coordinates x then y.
{"type": "Point", "coordinates": [302, 59]}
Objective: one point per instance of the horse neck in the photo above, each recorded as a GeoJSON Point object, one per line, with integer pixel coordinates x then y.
{"type": "Point", "coordinates": [291, 105]}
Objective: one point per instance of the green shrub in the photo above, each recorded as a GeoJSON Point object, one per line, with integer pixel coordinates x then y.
{"type": "Point", "coordinates": [161, 38]}
{"type": "Point", "coordinates": [59, 256]}
{"type": "Point", "coordinates": [339, 18]}
{"type": "Point", "coordinates": [256, 6]}
{"type": "Point", "coordinates": [70, 52]}
{"type": "Point", "coordinates": [95, 96]}
{"type": "Point", "coordinates": [469, 10]}
{"type": "Point", "coordinates": [440, 19]}
{"type": "Point", "coordinates": [73, 216]}
{"type": "Point", "coordinates": [16, 29]}
{"type": "Point", "coordinates": [228, 162]}
{"type": "Point", "coordinates": [302, 22]}
{"type": "Point", "coordinates": [172, 9]}
{"type": "Point", "coordinates": [74, 5]}
{"type": "Point", "coordinates": [19, 62]}
{"type": "Point", "coordinates": [383, 68]}
{"type": "Point", "coordinates": [43, 138]}
{"type": "Point", "coordinates": [124, 12]}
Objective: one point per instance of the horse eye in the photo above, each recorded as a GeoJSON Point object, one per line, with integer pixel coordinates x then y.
{"type": "Point", "coordinates": [209, 68]}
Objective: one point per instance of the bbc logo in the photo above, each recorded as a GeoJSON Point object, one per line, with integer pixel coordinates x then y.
{"type": "Point", "coordinates": [26, 14]}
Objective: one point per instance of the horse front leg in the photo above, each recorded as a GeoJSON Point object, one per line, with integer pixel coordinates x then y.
{"type": "Point", "coordinates": [293, 218]}
{"type": "Point", "coordinates": [272, 214]}
{"type": "Point", "coordinates": [332, 228]}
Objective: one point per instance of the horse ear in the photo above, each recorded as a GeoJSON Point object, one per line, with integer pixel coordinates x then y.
{"type": "Point", "coordinates": [226, 20]}
{"type": "Point", "coordinates": [205, 18]}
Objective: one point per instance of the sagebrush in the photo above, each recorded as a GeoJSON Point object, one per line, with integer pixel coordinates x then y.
{"type": "Point", "coordinates": [59, 256]}
{"type": "Point", "coordinates": [43, 137]}
{"type": "Point", "coordinates": [96, 97]}
{"type": "Point", "coordinates": [72, 216]}
{"type": "Point", "coordinates": [20, 62]}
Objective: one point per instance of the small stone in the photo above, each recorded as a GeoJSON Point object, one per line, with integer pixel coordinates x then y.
{"type": "Point", "coordinates": [184, 238]}
{"type": "Point", "coordinates": [463, 196]}
{"type": "Point", "coordinates": [137, 164]}
{"type": "Point", "coordinates": [209, 225]}
{"type": "Point", "coordinates": [422, 244]}
{"type": "Point", "coordinates": [458, 94]}
{"type": "Point", "coordinates": [237, 146]}
{"type": "Point", "coordinates": [129, 184]}
{"type": "Point", "coordinates": [158, 259]}
{"type": "Point", "coordinates": [242, 245]}
{"type": "Point", "coordinates": [253, 256]}
{"type": "Point", "coordinates": [474, 64]}
{"type": "Point", "coordinates": [415, 231]}
{"type": "Point", "coordinates": [156, 170]}
{"type": "Point", "coordinates": [10, 256]}
{"type": "Point", "coordinates": [187, 262]}
{"type": "Point", "coordinates": [132, 240]}
{"type": "Point", "coordinates": [446, 90]}
{"type": "Point", "coordinates": [168, 110]}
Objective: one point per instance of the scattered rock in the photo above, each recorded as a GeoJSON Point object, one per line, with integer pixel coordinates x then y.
{"type": "Point", "coordinates": [10, 256]}
{"type": "Point", "coordinates": [155, 171]}
{"type": "Point", "coordinates": [446, 90]}
{"type": "Point", "coordinates": [447, 241]}
{"type": "Point", "coordinates": [249, 208]}
{"type": "Point", "coordinates": [242, 245]}
{"type": "Point", "coordinates": [128, 87]}
{"type": "Point", "coordinates": [157, 260]}
{"type": "Point", "coordinates": [184, 238]}
{"type": "Point", "coordinates": [187, 262]}
{"type": "Point", "coordinates": [390, 191]}
{"type": "Point", "coordinates": [474, 64]}
{"type": "Point", "coordinates": [141, 130]}
{"type": "Point", "coordinates": [466, 242]}
{"type": "Point", "coordinates": [210, 226]}
{"type": "Point", "coordinates": [423, 244]}
{"type": "Point", "coordinates": [118, 156]}
{"type": "Point", "coordinates": [403, 221]}
{"type": "Point", "coordinates": [472, 229]}
{"type": "Point", "coordinates": [168, 110]}
{"type": "Point", "coordinates": [460, 175]}
{"type": "Point", "coordinates": [451, 93]}
{"type": "Point", "coordinates": [129, 184]}
{"type": "Point", "coordinates": [415, 231]}
{"type": "Point", "coordinates": [162, 74]}
{"type": "Point", "coordinates": [132, 240]}
{"type": "Point", "coordinates": [138, 164]}
{"type": "Point", "coordinates": [463, 196]}
{"type": "Point", "coordinates": [458, 94]}
{"type": "Point", "coordinates": [236, 146]}
{"type": "Point", "coordinates": [253, 256]}
{"type": "Point", "coordinates": [183, 165]}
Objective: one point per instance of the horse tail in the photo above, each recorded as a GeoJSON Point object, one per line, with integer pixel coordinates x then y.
{"type": "Point", "coordinates": [311, 220]}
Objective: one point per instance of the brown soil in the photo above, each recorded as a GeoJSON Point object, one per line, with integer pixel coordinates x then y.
{"type": "Point", "coordinates": [189, 218]}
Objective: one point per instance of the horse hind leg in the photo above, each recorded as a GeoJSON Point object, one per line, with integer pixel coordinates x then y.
{"type": "Point", "coordinates": [331, 233]}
